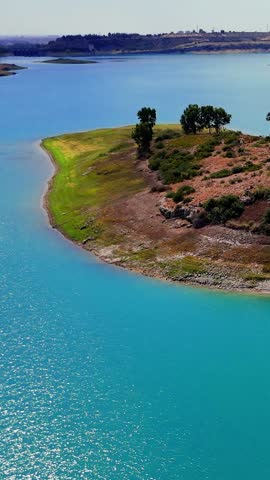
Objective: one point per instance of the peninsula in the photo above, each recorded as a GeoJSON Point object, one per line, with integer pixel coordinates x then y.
{"type": "Point", "coordinates": [195, 210]}
{"type": "Point", "coordinates": [7, 69]}
{"type": "Point", "coordinates": [68, 61]}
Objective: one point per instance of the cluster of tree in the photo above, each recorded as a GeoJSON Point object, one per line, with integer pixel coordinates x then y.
{"type": "Point", "coordinates": [195, 119]}
{"type": "Point", "coordinates": [143, 131]}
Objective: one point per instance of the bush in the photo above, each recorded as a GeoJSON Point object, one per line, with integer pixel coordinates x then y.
{"type": "Point", "coordinates": [219, 210]}
{"type": "Point", "coordinates": [251, 167]}
{"type": "Point", "coordinates": [174, 167]}
{"type": "Point", "coordinates": [159, 145]}
{"type": "Point", "coordinates": [167, 135]}
{"type": "Point", "coordinates": [230, 154]}
{"type": "Point", "coordinates": [154, 163]}
{"type": "Point", "coordinates": [221, 173]}
{"type": "Point", "coordinates": [187, 200]}
{"type": "Point", "coordinates": [265, 226]}
{"type": "Point", "coordinates": [181, 193]}
{"type": "Point", "coordinates": [261, 194]}
{"type": "Point", "coordinates": [231, 138]}
{"type": "Point", "coordinates": [237, 169]}
{"type": "Point", "coordinates": [248, 167]}
{"type": "Point", "coordinates": [207, 149]}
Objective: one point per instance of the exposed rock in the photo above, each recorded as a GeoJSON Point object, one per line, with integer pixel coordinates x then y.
{"type": "Point", "coordinates": [247, 199]}
{"type": "Point", "coordinates": [193, 214]}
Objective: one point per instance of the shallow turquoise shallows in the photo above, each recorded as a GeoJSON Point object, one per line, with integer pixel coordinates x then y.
{"type": "Point", "coordinates": [105, 375]}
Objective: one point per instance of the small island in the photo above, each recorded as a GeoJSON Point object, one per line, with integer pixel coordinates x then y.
{"type": "Point", "coordinates": [193, 207]}
{"type": "Point", "coordinates": [69, 61]}
{"type": "Point", "coordinates": [7, 69]}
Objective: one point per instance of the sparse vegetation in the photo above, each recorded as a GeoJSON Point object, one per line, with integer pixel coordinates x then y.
{"type": "Point", "coordinates": [261, 193]}
{"type": "Point", "coordinates": [248, 167]}
{"type": "Point", "coordinates": [174, 167]}
{"type": "Point", "coordinates": [222, 209]}
{"type": "Point", "coordinates": [181, 194]}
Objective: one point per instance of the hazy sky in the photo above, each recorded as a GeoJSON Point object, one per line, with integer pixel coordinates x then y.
{"type": "Point", "coordinates": [85, 16]}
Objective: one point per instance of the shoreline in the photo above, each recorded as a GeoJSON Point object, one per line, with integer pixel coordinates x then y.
{"type": "Point", "coordinates": [9, 69]}
{"type": "Point", "coordinates": [135, 270]}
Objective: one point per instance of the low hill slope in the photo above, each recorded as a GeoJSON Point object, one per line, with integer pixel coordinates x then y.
{"type": "Point", "coordinates": [195, 211]}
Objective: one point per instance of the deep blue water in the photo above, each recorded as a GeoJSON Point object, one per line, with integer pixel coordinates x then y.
{"type": "Point", "coordinates": [104, 374]}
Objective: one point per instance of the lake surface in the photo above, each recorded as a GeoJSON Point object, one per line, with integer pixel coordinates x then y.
{"type": "Point", "coordinates": [105, 375]}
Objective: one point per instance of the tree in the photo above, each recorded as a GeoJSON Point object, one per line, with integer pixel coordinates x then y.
{"type": "Point", "coordinates": [195, 118]}
{"type": "Point", "coordinates": [221, 118]}
{"type": "Point", "coordinates": [142, 135]}
{"type": "Point", "coordinates": [143, 132]}
{"type": "Point", "coordinates": [207, 117]}
{"type": "Point", "coordinates": [191, 119]}
{"type": "Point", "coordinates": [147, 115]}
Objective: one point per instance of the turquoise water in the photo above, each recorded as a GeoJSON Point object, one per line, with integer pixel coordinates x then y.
{"type": "Point", "coordinates": [104, 374]}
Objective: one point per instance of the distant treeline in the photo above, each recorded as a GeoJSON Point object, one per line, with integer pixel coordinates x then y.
{"type": "Point", "coordinates": [113, 43]}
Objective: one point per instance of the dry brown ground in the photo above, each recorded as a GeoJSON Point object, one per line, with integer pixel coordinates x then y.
{"type": "Point", "coordinates": [216, 187]}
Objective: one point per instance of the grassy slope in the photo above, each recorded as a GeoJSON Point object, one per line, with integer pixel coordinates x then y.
{"type": "Point", "coordinates": [95, 169]}
{"type": "Point", "coordinates": [85, 182]}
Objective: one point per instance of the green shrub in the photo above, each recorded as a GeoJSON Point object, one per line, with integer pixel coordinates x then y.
{"type": "Point", "coordinates": [167, 134]}
{"type": "Point", "coordinates": [230, 154]}
{"type": "Point", "coordinates": [224, 208]}
{"type": "Point", "coordinates": [248, 167]}
{"type": "Point", "coordinates": [237, 169]}
{"type": "Point", "coordinates": [206, 149]}
{"type": "Point", "coordinates": [221, 173]}
{"type": "Point", "coordinates": [262, 193]}
{"type": "Point", "coordinates": [159, 145]}
{"type": "Point", "coordinates": [265, 225]}
{"type": "Point", "coordinates": [155, 160]}
{"type": "Point", "coordinates": [266, 217]}
{"type": "Point", "coordinates": [154, 163]}
{"type": "Point", "coordinates": [187, 200]}
{"type": "Point", "coordinates": [251, 167]}
{"type": "Point", "coordinates": [176, 167]}
{"type": "Point", "coordinates": [181, 193]}
{"type": "Point", "coordinates": [231, 138]}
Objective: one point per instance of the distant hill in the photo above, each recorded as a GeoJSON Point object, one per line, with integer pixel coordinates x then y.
{"type": "Point", "coordinates": [188, 42]}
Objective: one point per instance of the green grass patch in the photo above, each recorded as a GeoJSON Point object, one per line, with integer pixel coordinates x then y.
{"type": "Point", "coordinates": [188, 265]}
{"type": "Point", "coordinates": [94, 169]}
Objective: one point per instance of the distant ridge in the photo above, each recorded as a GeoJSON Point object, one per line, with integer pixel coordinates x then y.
{"type": "Point", "coordinates": [119, 43]}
